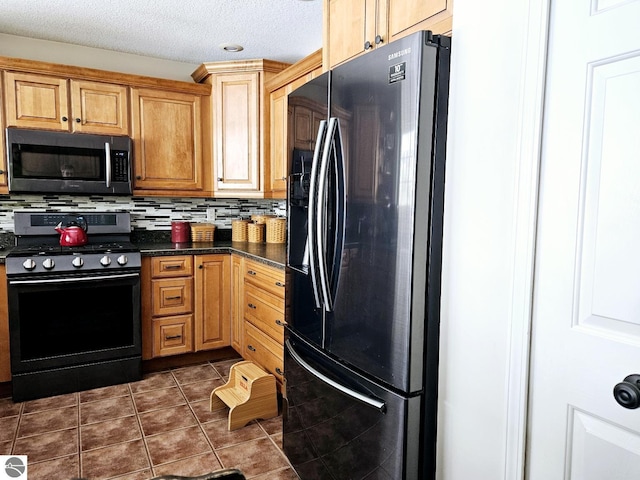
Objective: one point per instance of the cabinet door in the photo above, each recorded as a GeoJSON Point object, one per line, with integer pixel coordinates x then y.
{"type": "Point", "coordinates": [4, 184]}
{"type": "Point", "coordinates": [236, 133]}
{"type": "Point", "coordinates": [237, 303]}
{"type": "Point", "coordinates": [5, 357]}
{"type": "Point", "coordinates": [409, 16]}
{"type": "Point", "coordinates": [213, 296]}
{"type": "Point", "coordinates": [99, 108]}
{"type": "Point", "coordinates": [351, 28]}
{"type": "Point", "coordinates": [279, 144]}
{"type": "Point", "coordinates": [36, 101]}
{"type": "Point", "coordinates": [167, 142]}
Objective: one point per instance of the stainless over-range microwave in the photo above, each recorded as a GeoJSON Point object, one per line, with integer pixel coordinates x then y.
{"type": "Point", "coordinates": [41, 161]}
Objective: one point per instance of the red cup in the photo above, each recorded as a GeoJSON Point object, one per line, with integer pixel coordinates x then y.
{"type": "Point", "coordinates": [180, 232]}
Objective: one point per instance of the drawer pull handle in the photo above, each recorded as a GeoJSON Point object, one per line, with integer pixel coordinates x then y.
{"type": "Point", "coordinates": [251, 348]}
{"type": "Point", "coordinates": [278, 371]}
{"type": "Point", "coordinates": [280, 323]}
{"type": "Point", "coordinates": [172, 337]}
{"type": "Point", "coordinates": [279, 284]}
{"type": "Point", "coordinates": [251, 305]}
{"type": "Point", "coordinates": [173, 298]}
{"type": "Point", "coordinates": [251, 272]}
{"type": "Point", "coordinates": [172, 267]}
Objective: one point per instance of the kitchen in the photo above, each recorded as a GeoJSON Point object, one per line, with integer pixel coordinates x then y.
{"type": "Point", "coordinates": [487, 356]}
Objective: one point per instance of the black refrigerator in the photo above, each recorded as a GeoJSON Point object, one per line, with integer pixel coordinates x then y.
{"type": "Point", "coordinates": [365, 210]}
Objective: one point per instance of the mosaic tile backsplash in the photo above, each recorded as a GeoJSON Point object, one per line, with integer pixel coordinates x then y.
{"type": "Point", "coordinates": [147, 213]}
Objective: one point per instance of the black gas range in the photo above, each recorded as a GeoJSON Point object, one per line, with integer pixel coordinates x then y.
{"type": "Point", "coordinates": [74, 311]}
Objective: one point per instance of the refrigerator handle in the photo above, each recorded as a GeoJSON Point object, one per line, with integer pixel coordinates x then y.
{"type": "Point", "coordinates": [372, 402]}
{"type": "Point", "coordinates": [311, 247]}
{"type": "Point", "coordinates": [321, 237]}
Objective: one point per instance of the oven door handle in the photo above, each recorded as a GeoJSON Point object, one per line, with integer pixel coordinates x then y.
{"type": "Point", "coordinates": [73, 279]}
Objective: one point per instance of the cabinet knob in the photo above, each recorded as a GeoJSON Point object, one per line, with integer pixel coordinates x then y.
{"type": "Point", "coordinates": [172, 337]}
{"type": "Point", "coordinates": [379, 40]}
{"type": "Point", "coordinates": [64, 119]}
{"type": "Point", "coordinates": [2, 172]}
{"type": "Point", "coordinates": [251, 305]}
{"type": "Point", "coordinates": [279, 284]}
{"type": "Point", "coordinates": [280, 323]}
{"type": "Point", "coordinates": [251, 272]}
{"type": "Point", "coordinates": [279, 371]}
{"type": "Point", "coordinates": [138, 177]}
{"type": "Point", "coordinates": [368, 45]}
{"type": "Point", "coordinates": [220, 179]}
{"type": "Point", "coordinates": [77, 120]}
{"type": "Point", "coordinates": [251, 348]}
{"type": "Point", "coordinates": [200, 267]}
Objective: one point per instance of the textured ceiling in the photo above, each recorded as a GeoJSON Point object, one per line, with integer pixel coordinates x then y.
{"type": "Point", "coordinates": [188, 31]}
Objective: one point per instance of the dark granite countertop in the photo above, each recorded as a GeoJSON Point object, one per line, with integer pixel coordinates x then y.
{"type": "Point", "coordinates": [268, 253]}
{"type": "Point", "coordinates": [159, 243]}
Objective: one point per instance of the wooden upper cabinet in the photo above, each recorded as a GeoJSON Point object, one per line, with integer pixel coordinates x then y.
{"type": "Point", "coordinates": [167, 138]}
{"type": "Point", "coordinates": [285, 131]}
{"type": "Point", "coordinates": [55, 103]}
{"type": "Point", "coordinates": [409, 16]}
{"type": "Point", "coordinates": [240, 115]}
{"type": "Point", "coordinates": [99, 108]}
{"type": "Point", "coordinates": [236, 144]}
{"type": "Point", "coordinates": [4, 180]}
{"type": "Point", "coordinates": [353, 27]}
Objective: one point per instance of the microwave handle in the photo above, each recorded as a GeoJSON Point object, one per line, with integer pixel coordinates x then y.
{"type": "Point", "coordinates": [107, 156]}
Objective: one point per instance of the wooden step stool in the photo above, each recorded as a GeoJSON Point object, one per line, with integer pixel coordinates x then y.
{"type": "Point", "coordinates": [249, 393]}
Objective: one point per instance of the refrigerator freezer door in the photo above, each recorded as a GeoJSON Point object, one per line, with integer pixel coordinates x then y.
{"type": "Point", "coordinates": [330, 433]}
{"type": "Point", "coordinates": [385, 101]}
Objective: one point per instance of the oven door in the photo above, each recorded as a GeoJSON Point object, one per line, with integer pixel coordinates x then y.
{"type": "Point", "coordinates": [60, 321]}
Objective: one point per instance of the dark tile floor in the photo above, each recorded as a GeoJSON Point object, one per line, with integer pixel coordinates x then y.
{"type": "Point", "coordinates": [159, 425]}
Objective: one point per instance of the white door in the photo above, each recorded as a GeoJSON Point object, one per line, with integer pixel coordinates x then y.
{"type": "Point", "coordinates": [586, 318]}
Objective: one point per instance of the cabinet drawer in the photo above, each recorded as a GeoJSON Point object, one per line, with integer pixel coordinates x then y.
{"type": "Point", "coordinates": [263, 314]}
{"type": "Point", "coordinates": [264, 351]}
{"type": "Point", "coordinates": [171, 296]}
{"type": "Point", "coordinates": [263, 276]}
{"type": "Point", "coordinates": [172, 335]}
{"type": "Point", "coordinates": [172, 266]}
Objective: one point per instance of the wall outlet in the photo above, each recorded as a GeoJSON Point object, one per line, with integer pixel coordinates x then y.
{"type": "Point", "coordinates": [211, 214]}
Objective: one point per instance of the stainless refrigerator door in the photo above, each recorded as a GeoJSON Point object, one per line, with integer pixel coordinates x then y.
{"type": "Point", "coordinates": [385, 103]}
{"type": "Point", "coordinates": [338, 425]}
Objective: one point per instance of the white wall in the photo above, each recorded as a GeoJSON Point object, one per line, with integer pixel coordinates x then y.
{"type": "Point", "coordinates": [488, 240]}
{"type": "Point", "coordinates": [67, 54]}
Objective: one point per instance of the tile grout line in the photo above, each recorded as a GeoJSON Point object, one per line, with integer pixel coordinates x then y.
{"type": "Point", "coordinates": [15, 434]}
{"type": "Point", "coordinates": [144, 437]}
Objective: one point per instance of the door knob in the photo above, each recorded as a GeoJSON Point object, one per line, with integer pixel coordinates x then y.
{"type": "Point", "coordinates": [627, 392]}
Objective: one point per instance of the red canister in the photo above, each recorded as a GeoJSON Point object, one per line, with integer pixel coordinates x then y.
{"type": "Point", "coordinates": [180, 232]}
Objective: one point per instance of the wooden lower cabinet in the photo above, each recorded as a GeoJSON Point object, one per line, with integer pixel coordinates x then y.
{"type": "Point", "coordinates": [237, 303]}
{"type": "Point", "coordinates": [212, 308]}
{"type": "Point", "coordinates": [263, 336]}
{"type": "Point", "coordinates": [5, 354]}
{"type": "Point", "coordinates": [185, 304]}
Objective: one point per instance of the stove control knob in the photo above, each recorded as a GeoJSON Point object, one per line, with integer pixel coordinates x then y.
{"type": "Point", "coordinates": [105, 261]}
{"type": "Point", "coordinates": [29, 264]}
{"type": "Point", "coordinates": [122, 260]}
{"type": "Point", "coordinates": [77, 262]}
{"type": "Point", "coordinates": [48, 263]}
